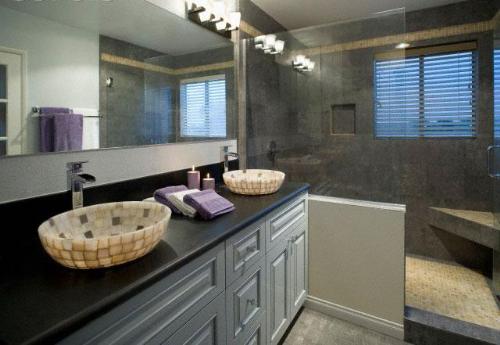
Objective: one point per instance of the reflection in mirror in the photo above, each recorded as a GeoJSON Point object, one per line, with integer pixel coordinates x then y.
{"type": "Point", "coordinates": [82, 75]}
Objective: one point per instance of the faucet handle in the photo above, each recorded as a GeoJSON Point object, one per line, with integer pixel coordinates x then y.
{"type": "Point", "coordinates": [75, 166]}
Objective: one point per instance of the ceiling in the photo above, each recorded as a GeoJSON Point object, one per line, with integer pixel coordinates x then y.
{"type": "Point", "coordinates": [295, 14]}
{"type": "Point", "coordinates": [147, 24]}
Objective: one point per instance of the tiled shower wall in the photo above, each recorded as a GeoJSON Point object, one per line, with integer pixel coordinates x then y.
{"type": "Point", "coordinates": [294, 110]}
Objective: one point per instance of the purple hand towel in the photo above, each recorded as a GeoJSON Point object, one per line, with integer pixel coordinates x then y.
{"type": "Point", "coordinates": [68, 132]}
{"type": "Point", "coordinates": [209, 204]}
{"type": "Point", "coordinates": [161, 195]}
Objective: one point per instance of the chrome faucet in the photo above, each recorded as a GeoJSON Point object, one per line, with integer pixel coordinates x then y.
{"type": "Point", "coordinates": [76, 180]}
{"type": "Point", "coordinates": [227, 154]}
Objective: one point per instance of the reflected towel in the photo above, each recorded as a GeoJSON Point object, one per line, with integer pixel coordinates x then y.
{"type": "Point", "coordinates": [47, 126]}
{"type": "Point", "coordinates": [177, 199]}
{"type": "Point", "coordinates": [209, 204]}
{"type": "Point", "coordinates": [161, 195]}
{"type": "Point", "coordinates": [68, 132]}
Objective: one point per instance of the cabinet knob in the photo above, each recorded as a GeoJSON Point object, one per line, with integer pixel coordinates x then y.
{"type": "Point", "coordinates": [252, 301]}
{"type": "Point", "coordinates": [251, 249]}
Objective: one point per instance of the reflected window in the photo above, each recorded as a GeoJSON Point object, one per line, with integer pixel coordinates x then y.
{"type": "Point", "coordinates": [429, 93]}
{"type": "Point", "coordinates": [496, 93]}
{"type": "Point", "coordinates": [203, 107]}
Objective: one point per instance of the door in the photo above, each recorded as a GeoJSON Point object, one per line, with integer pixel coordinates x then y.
{"type": "Point", "coordinates": [278, 292]}
{"type": "Point", "coordinates": [10, 103]}
{"type": "Point", "coordinates": [298, 268]}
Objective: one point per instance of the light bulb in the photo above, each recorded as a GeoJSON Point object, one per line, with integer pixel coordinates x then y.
{"type": "Point", "coordinates": [299, 60]}
{"type": "Point", "coordinates": [204, 16]}
{"type": "Point", "coordinates": [270, 41]}
{"type": "Point", "coordinates": [218, 9]}
{"type": "Point", "coordinates": [221, 25]}
{"type": "Point", "coordinates": [234, 20]}
{"type": "Point", "coordinates": [279, 46]}
{"type": "Point", "coordinates": [259, 42]}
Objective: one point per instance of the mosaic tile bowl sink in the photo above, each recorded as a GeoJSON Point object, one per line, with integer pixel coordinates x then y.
{"type": "Point", "coordinates": [104, 235]}
{"type": "Point", "coordinates": [253, 181]}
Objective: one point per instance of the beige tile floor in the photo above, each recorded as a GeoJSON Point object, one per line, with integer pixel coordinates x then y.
{"type": "Point", "coordinates": [313, 328]}
{"type": "Point", "coordinates": [451, 290]}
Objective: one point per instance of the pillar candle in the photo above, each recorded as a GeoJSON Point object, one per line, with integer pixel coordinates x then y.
{"type": "Point", "coordinates": [193, 178]}
{"type": "Point", "coordinates": [208, 182]}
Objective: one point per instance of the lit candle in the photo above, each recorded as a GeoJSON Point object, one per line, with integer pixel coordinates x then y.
{"type": "Point", "coordinates": [208, 182]}
{"type": "Point", "coordinates": [193, 177]}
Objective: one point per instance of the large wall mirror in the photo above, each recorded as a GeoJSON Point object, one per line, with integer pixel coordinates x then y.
{"type": "Point", "coordinates": [93, 74]}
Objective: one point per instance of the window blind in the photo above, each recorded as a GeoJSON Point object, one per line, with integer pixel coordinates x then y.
{"type": "Point", "coordinates": [496, 93]}
{"type": "Point", "coordinates": [203, 107]}
{"type": "Point", "coordinates": [430, 95]}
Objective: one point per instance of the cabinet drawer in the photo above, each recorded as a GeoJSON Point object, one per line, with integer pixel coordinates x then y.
{"type": "Point", "coordinates": [281, 221]}
{"type": "Point", "coordinates": [206, 328]}
{"type": "Point", "coordinates": [157, 312]}
{"type": "Point", "coordinates": [243, 250]}
{"type": "Point", "coordinates": [245, 303]}
{"type": "Point", "coordinates": [257, 334]}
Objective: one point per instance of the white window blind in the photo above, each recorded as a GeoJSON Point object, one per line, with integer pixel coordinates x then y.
{"type": "Point", "coordinates": [429, 95]}
{"type": "Point", "coordinates": [203, 107]}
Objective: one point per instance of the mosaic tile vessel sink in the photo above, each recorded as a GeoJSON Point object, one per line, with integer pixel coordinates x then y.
{"type": "Point", "coordinates": [253, 181]}
{"type": "Point", "coordinates": [104, 235]}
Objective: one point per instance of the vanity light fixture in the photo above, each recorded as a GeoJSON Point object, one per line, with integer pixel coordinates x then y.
{"type": "Point", "coordinates": [269, 44]}
{"type": "Point", "coordinates": [303, 64]}
{"type": "Point", "coordinates": [213, 15]}
{"type": "Point", "coordinates": [403, 45]}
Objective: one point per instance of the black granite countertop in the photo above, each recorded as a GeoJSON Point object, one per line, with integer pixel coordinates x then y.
{"type": "Point", "coordinates": [41, 301]}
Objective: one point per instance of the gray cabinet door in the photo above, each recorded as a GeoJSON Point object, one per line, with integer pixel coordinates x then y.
{"type": "Point", "coordinates": [245, 304]}
{"type": "Point", "coordinates": [278, 294]}
{"type": "Point", "coordinates": [206, 328]}
{"type": "Point", "coordinates": [298, 268]}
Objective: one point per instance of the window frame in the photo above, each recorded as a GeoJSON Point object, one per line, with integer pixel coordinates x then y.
{"type": "Point", "coordinates": [207, 78]}
{"type": "Point", "coordinates": [421, 53]}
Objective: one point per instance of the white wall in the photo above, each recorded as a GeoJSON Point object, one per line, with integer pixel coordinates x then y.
{"type": "Point", "coordinates": [356, 262]}
{"type": "Point", "coordinates": [62, 64]}
{"type": "Point", "coordinates": [27, 176]}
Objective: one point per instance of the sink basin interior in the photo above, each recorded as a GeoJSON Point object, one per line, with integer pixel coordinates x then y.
{"type": "Point", "coordinates": [104, 220]}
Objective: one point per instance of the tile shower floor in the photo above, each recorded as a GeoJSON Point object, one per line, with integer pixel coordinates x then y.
{"type": "Point", "coordinates": [451, 290]}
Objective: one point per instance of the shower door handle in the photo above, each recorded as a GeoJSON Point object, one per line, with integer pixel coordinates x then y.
{"type": "Point", "coordinates": [491, 168]}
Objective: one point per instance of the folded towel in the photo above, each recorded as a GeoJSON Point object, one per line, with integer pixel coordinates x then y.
{"type": "Point", "coordinates": [161, 195]}
{"type": "Point", "coordinates": [177, 199]}
{"type": "Point", "coordinates": [47, 126]}
{"type": "Point", "coordinates": [208, 203]}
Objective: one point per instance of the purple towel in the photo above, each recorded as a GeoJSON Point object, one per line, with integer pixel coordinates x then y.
{"type": "Point", "coordinates": [161, 194]}
{"type": "Point", "coordinates": [47, 131]}
{"type": "Point", "coordinates": [209, 204]}
{"type": "Point", "coordinates": [68, 132]}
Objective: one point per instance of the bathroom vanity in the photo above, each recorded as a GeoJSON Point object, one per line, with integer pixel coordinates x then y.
{"type": "Point", "coordinates": [239, 279]}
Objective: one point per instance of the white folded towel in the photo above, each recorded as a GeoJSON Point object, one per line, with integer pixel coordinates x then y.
{"type": "Point", "coordinates": [177, 199]}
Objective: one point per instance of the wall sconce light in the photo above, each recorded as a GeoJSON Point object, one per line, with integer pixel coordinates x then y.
{"type": "Point", "coordinates": [269, 44]}
{"type": "Point", "coordinates": [212, 15]}
{"type": "Point", "coordinates": [303, 64]}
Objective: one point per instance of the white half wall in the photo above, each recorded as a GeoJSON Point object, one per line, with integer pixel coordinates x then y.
{"type": "Point", "coordinates": [356, 262]}
{"type": "Point", "coordinates": [28, 176]}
